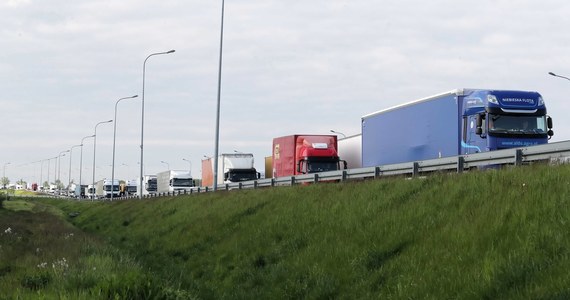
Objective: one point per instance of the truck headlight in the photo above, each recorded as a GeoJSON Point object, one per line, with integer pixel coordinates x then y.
{"type": "Point", "coordinates": [540, 101]}
{"type": "Point", "coordinates": [492, 99]}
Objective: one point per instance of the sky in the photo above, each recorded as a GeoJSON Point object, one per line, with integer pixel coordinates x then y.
{"type": "Point", "coordinates": [289, 67]}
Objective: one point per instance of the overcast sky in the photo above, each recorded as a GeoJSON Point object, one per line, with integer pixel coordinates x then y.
{"type": "Point", "coordinates": [288, 67]}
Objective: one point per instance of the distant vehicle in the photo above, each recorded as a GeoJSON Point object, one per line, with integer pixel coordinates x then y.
{"type": "Point", "coordinates": [34, 186]}
{"type": "Point", "coordinates": [462, 121]}
{"type": "Point", "coordinates": [232, 167]}
{"type": "Point", "coordinates": [148, 186]}
{"type": "Point", "coordinates": [107, 187]}
{"type": "Point", "coordinates": [303, 154]}
{"type": "Point", "coordinates": [90, 192]}
{"type": "Point", "coordinates": [81, 191]}
{"type": "Point", "coordinates": [174, 180]}
{"type": "Point", "coordinates": [131, 188]}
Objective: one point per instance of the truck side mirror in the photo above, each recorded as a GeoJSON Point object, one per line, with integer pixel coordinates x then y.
{"type": "Point", "coordinates": [301, 167]}
{"type": "Point", "coordinates": [344, 164]}
{"type": "Point", "coordinates": [479, 127]}
{"type": "Point", "coordinates": [258, 175]}
{"type": "Point", "coordinates": [549, 122]}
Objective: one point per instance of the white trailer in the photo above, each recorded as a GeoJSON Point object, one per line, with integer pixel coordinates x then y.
{"type": "Point", "coordinates": [350, 149]}
{"type": "Point", "coordinates": [174, 180]}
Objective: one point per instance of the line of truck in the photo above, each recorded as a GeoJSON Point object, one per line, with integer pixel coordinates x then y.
{"type": "Point", "coordinates": [457, 122]}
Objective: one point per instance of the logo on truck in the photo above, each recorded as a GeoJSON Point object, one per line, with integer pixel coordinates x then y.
{"type": "Point", "coordinates": [519, 100]}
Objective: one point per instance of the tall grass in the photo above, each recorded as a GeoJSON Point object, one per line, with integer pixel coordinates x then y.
{"type": "Point", "coordinates": [43, 257]}
{"type": "Point", "coordinates": [494, 234]}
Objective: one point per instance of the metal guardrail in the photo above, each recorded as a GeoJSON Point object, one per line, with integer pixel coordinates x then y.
{"type": "Point", "coordinates": [554, 152]}
{"type": "Point", "coordinates": [559, 151]}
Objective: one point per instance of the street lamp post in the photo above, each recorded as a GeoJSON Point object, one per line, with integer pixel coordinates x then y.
{"type": "Point", "coordinates": [167, 164]}
{"type": "Point", "coordinates": [49, 162]}
{"type": "Point", "coordinates": [114, 138]}
{"type": "Point", "coordinates": [81, 163]}
{"type": "Point", "coordinates": [94, 150]}
{"type": "Point", "coordinates": [184, 159]}
{"type": "Point", "coordinates": [336, 132]}
{"type": "Point", "coordinates": [560, 76]}
{"type": "Point", "coordinates": [41, 174]}
{"type": "Point", "coordinates": [59, 169]}
{"type": "Point", "coordinates": [217, 143]}
{"type": "Point", "coordinates": [142, 114]}
{"type": "Point", "coordinates": [69, 174]}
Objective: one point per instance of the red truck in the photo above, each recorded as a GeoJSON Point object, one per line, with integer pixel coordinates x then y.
{"type": "Point", "coordinates": [303, 153]}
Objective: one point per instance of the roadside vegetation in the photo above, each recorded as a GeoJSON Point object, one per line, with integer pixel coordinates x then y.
{"type": "Point", "coordinates": [501, 234]}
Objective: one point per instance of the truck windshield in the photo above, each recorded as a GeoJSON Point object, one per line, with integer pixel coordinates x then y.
{"type": "Point", "coordinates": [151, 185]}
{"type": "Point", "coordinates": [321, 166]}
{"type": "Point", "coordinates": [241, 175]}
{"type": "Point", "coordinates": [182, 182]}
{"type": "Point", "coordinates": [508, 124]}
{"type": "Point", "coordinates": [107, 188]}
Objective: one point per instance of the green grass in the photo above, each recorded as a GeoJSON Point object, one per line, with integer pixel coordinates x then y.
{"type": "Point", "coordinates": [481, 235]}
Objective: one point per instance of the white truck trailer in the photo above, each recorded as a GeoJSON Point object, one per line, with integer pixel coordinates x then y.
{"type": "Point", "coordinates": [174, 180]}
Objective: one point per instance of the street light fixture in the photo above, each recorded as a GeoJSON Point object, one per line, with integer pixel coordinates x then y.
{"type": "Point", "coordinates": [81, 163]}
{"type": "Point", "coordinates": [167, 165]}
{"type": "Point", "coordinates": [142, 114]}
{"type": "Point", "coordinates": [217, 143]}
{"type": "Point", "coordinates": [94, 150]}
{"type": "Point", "coordinates": [343, 135]}
{"type": "Point", "coordinates": [49, 163]}
{"type": "Point", "coordinates": [184, 159]}
{"type": "Point", "coordinates": [69, 174]}
{"type": "Point", "coordinates": [114, 138]}
{"type": "Point", "coordinates": [556, 75]}
{"type": "Point", "coordinates": [59, 169]}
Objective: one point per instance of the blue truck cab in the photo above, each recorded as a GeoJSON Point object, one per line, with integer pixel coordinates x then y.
{"type": "Point", "coordinates": [462, 121]}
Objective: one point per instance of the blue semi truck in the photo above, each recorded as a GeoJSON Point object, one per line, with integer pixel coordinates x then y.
{"type": "Point", "coordinates": [462, 121]}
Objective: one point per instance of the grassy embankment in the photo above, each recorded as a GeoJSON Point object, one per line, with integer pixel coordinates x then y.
{"type": "Point", "coordinates": [495, 234]}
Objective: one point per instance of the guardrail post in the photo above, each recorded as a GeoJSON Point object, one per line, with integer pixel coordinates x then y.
{"type": "Point", "coordinates": [377, 172]}
{"type": "Point", "coordinates": [240, 186]}
{"type": "Point", "coordinates": [272, 182]}
{"type": "Point", "coordinates": [415, 169]}
{"type": "Point", "coordinates": [460, 164]}
{"type": "Point", "coordinates": [344, 175]}
{"type": "Point", "coordinates": [316, 178]}
{"type": "Point", "coordinates": [518, 157]}
{"type": "Point", "coordinates": [206, 189]}
{"type": "Point", "coordinates": [292, 180]}
{"type": "Point", "coordinates": [254, 184]}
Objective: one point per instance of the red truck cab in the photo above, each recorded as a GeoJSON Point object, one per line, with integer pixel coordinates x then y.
{"type": "Point", "coordinates": [302, 154]}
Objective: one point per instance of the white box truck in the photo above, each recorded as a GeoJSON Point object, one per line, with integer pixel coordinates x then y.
{"type": "Point", "coordinates": [174, 180]}
{"type": "Point", "coordinates": [232, 167]}
{"type": "Point", "coordinates": [104, 188]}
{"type": "Point", "coordinates": [148, 185]}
